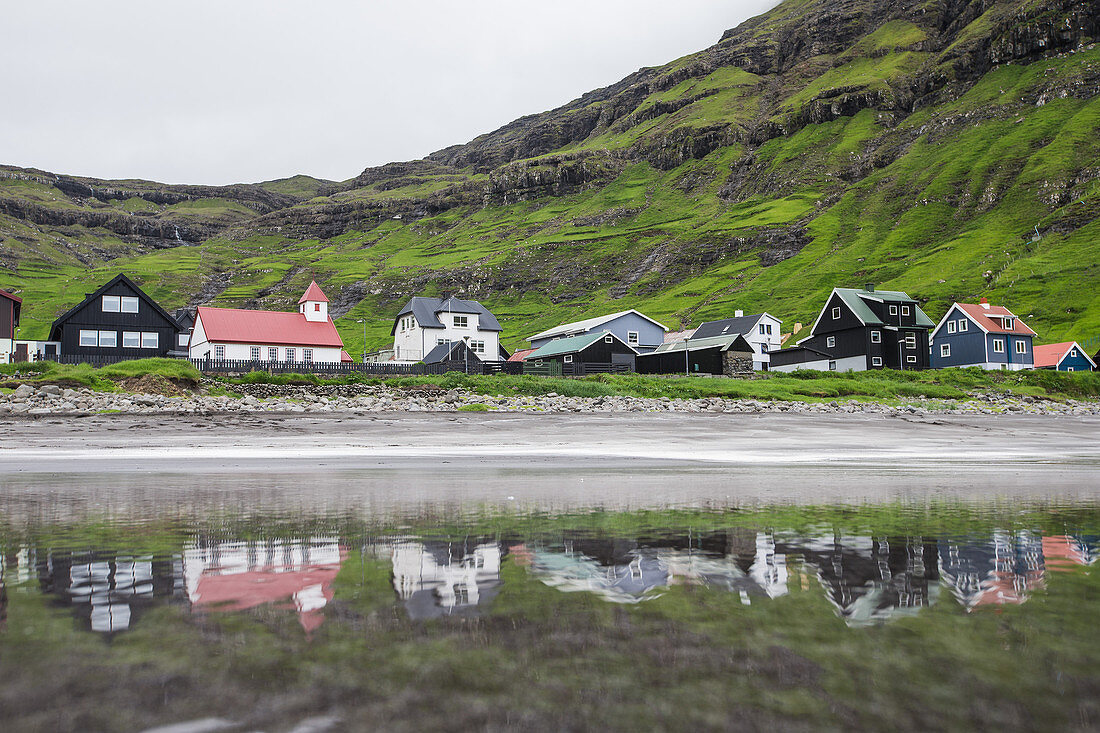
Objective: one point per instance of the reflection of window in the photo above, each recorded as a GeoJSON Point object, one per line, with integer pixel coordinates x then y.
{"type": "Point", "coordinates": [131, 340]}
{"type": "Point", "coordinates": [129, 305]}
{"type": "Point", "coordinates": [150, 340]}
{"type": "Point", "coordinates": [89, 338]}
{"type": "Point", "coordinates": [108, 338]}
{"type": "Point", "coordinates": [945, 349]}
{"type": "Point", "coordinates": [219, 351]}
{"type": "Point", "coordinates": [568, 359]}
{"type": "Point", "coordinates": [111, 304]}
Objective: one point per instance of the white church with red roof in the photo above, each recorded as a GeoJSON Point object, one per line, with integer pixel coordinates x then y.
{"type": "Point", "coordinates": [307, 336]}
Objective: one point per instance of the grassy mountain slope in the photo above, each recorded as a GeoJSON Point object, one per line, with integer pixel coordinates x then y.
{"type": "Point", "coordinates": [947, 148]}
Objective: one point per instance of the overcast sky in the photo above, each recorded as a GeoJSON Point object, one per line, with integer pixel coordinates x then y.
{"type": "Point", "coordinates": [223, 91]}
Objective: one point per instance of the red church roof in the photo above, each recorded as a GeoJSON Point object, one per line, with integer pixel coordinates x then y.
{"type": "Point", "coordinates": [233, 325]}
{"type": "Point", "coordinates": [313, 292]}
{"type": "Point", "coordinates": [345, 356]}
{"type": "Point", "coordinates": [981, 316]}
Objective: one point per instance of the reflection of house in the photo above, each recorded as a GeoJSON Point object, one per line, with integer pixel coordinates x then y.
{"type": "Point", "coordinates": [631, 580]}
{"type": "Point", "coordinates": [1001, 570]}
{"type": "Point", "coordinates": [109, 591]}
{"type": "Point", "coordinates": [236, 575]}
{"type": "Point", "coordinates": [441, 578]}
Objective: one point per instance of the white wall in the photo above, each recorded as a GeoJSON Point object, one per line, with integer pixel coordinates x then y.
{"type": "Point", "coordinates": [851, 364]}
{"type": "Point", "coordinates": [7, 347]}
{"type": "Point", "coordinates": [199, 347]}
{"type": "Point", "coordinates": [758, 340]}
{"type": "Point", "coordinates": [412, 344]}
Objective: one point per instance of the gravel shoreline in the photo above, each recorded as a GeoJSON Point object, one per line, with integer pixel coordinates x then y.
{"type": "Point", "coordinates": [266, 398]}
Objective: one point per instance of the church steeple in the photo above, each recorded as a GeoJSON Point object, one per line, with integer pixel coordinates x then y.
{"type": "Point", "coordinates": [313, 304]}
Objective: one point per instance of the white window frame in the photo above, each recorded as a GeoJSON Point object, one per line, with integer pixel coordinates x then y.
{"type": "Point", "coordinates": [876, 361]}
{"type": "Point", "coordinates": [115, 302]}
{"type": "Point", "coordinates": [632, 338]}
{"type": "Point", "coordinates": [291, 353]}
{"type": "Point", "coordinates": [150, 340]}
{"type": "Point", "coordinates": [963, 325]}
{"type": "Point", "coordinates": [219, 351]}
{"type": "Point", "coordinates": [183, 339]}
{"type": "Point", "coordinates": [1071, 369]}
{"type": "Point", "coordinates": [911, 341]}
{"type": "Point", "coordinates": [609, 339]}
{"type": "Point", "coordinates": [129, 304]}
{"type": "Point", "coordinates": [951, 327]}
{"type": "Point", "coordinates": [478, 347]}
{"type": "Point", "coordinates": [911, 359]}
{"type": "Point", "coordinates": [1073, 353]}
{"type": "Point", "coordinates": [1021, 346]}
{"type": "Point", "coordinates": [945, 350]}
{"type": "Point", "coordinates": [905, 310]}
{"type": "Point", "coordinates": [89, 337]}
{"type": "Point", "coordinates": [254, 353]}
{"type": "Point", "coordinates": [830, 342]}
{"type": "Point", "coordinates": [893, 310]}
{"type": "Point", "coordinates": [876, 337]}
{"type": "Point", "coordinates": [273, 353]}
{"type": "Point", "coordinates": [134, 336]}
{"type": "Point", "coordinates": [1010, 324]}
{"type": "Point", "coordinates": [567, 359]}
{"type": "Point", "coordinates": [836, 313]}
{"type": "Point", "coordinates": [462, 321]}
{"type": "Point", "coordinates": [998, 346]}
{"type": "Point", "coordinates": [111, 336]}
{"type": "Point", "coordinates": [307, 356]}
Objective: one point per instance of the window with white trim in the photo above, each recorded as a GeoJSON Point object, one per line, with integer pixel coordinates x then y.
{"type": "Point", "coordinates": [893, 310]}
{"type": "Point", "coordinates": [1070, 369]}
{"type": "Point", "coordinates": [911, 359]}
{"type": "Point", "coordinates": [273, 353]}
{"type": "Point", "coordinates": [129, 304]}
{"type": "Point", "coordinates": [963, 324]}
{"type": "Point", "coordinates": [905, 310]}
{"type": "Point", "coordinates": [1073, 352]}
{"type": "Point", "coordinates": [945, 350]}
{"type": "Point", "coordinates": [911, 341]}
{"type": "Point", "coordinates": [131, 339]}
{"type": "Point", "coordinates": [254, 353]}
{"type": "Point", "coordinates": [951, 327]}
{"type": "Point", "coordinates": [568, 359]}
{"type": "Point", "coordinates": [836, 313]}
{"type": "Point", "coordinates": [150, 340]}
{"type": "Point", "coordinates": [108, 338]}
{"type": "Point", "coordinates": [632, 338]}
{"type": "Point", "coordinates": [876, 337]}
{"type": "Point", "coordinates": [307, 356]}
{"type": "Point", "coordinates": [609, 339]}
{"type": "Point", "coordinates": [439, 342]}
{"type": "Point", "coordinates": [183, 339]}
{"type": "Point", "coordinates": [478, 347]}
{"type": "Point", "coordinates": [89, 338]}
{"type": "Point", "coordinates": [830, 341]}
{"type": "Point", "coordinates": [112, 304]}
{"type": "Point", "coordinates": [876, 361]}
{"type": "Point", "coordinates": [999, 346]}
{"type": "Point", "coordinates": [462, 321]}
{"type": "Point", "coordinates": [1021, 346]}
{"type": "Point", "coordinates": [1010, 323]}
{"type": "Point", "coordinates": [219, 351]}
{"type": "Point", "coordinates": [291, 354]}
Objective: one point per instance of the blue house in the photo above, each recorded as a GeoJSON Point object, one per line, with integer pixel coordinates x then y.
{"type": "Point", "coordinates": [982, 335]}
{"type": "Point", "coordinates": [1064, 357]}
{"type": "Point", "coordinates": [636, 330]}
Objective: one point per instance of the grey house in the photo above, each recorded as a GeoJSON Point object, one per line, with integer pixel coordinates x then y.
{"type": "Point", "coordinates": [637, 330]}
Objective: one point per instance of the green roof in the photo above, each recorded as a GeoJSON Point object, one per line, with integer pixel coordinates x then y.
{"type": "Point", "coordinates": [851, 298]}
{"type": "Point", "coordinates": [570, 345]}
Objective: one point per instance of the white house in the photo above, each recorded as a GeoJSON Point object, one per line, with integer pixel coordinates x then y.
{"type": "Point", "coordinates": [425, 323]}
{"type": "Point", "coordinates": [761, 330]}
{"type": "Point", "coordinates": [307, 336]}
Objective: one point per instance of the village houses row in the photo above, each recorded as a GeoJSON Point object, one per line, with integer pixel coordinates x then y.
{"type": "Point", "coordinates": [857, 329]}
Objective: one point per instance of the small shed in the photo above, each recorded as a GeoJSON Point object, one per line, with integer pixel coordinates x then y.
{"type": "Point", "coordinates": [451, 352]}
{"type": "Point", "coordinates": [591, 349]}
{"type": "Point", "coordinates": [1064, 357]}
{"type": "Point", "coordinates": [729, 356]}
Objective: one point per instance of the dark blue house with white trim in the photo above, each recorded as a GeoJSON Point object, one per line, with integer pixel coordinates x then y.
{"type": "Point", "coordinates": [1064, 357]}
{"type": "Point", "coordinates": [982, 335]}
{"type": "Point", "coordinates": [637, 330]}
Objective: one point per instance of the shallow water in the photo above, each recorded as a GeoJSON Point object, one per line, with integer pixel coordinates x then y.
{"type": "Point", "coordinates": [133, 600]}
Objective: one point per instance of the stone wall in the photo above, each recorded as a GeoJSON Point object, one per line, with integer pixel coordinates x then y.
{"type": "Point", "coordinates": [737, 364]}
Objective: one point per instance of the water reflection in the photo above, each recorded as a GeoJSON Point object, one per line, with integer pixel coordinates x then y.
{"type": "Point", "coordinates": [440, 578]}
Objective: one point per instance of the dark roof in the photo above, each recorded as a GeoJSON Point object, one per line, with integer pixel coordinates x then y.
{"type": "Point", "coordinates": [120, 277]}
{"type": "Point", "coordinates": [796, 355]}
{"type": "Point", "coordinates": [449, 351]}
{"type": "Point", "coordinates": [424, 309]}
{"type": "Point", "coordinates": [727, 326]}
{"type": "Point", "coordinates": [732, 342]}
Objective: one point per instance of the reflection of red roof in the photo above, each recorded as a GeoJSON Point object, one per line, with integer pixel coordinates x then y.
{"type": "Point", "coordinates": [1061, 552]}
{"type": "Point", "coordinates": [234, 325]}
{"type": "Point", "coordinates": [313, 292]}
{"type": "Point", "coordinates": [6, 294]}
{"type": "Point", "coordinates": [981, 316]}
{"type": "Point", "coordinates": [344, 356]}
{"type": "Point", "coordinates": [520, 354]}
{"type": "Point", "coordinates": [1050, 355]}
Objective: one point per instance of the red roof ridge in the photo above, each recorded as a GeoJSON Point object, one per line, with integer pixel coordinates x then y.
{"type": "Point", "coordinates": [13, 296]}
{"type": "Point", "coordinates": [313, 293]}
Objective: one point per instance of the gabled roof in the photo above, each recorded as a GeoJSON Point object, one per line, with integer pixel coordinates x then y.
{"type": "Point", "coordinates": [673, 336]}
{"type": "Point", "coordinates": [1051, 355]}
{"type": "Point", "coordinates": [588, 324]}
{"type": "Point", "coordinates": [313, 293]}
{"type": "Point", "coordinates": [120, 277]}
{"type": "Point", "coordinates": [6, 294]}
{"type": "Point", "coordinates": [981, 316]}
{"type": "Point", "coordinates": [573, 345]}
{"type": "Point", "coordinates": [521, 354]}
{"type": "Point", "coordinates": [854, 299]}
{"type": "Point", "coordinates": [722, 343]}
{"type": "Point", "coordinates": [424, 310]}
{"type": "Point", "coordinates": [237, 326]}
{"type": "Point", "coordinates": [730, 326]}
{"type": "Point", "coordinates": [345, 356]}
{"type": "Point", "coordinates": [446, 352]}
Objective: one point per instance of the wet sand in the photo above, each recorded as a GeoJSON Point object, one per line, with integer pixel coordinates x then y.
{"type": "Point", "coordinates": [395, 462]}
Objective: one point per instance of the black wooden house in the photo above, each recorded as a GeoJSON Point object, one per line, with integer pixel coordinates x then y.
{"type": "Point", "coordinates": [859, 330]}
{"type": "Point", "coordinates": [116, 322]}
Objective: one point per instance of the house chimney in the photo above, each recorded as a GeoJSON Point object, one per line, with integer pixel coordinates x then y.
{"type": "Point", "coordinates": [870, 287]}
{"type": "Point", "coordinates": [738, 314]}
{"type": "Point", "coordinates": [984, 303]}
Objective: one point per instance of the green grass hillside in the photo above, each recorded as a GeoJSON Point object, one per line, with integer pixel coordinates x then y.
{"type": "Point", "coordinates": [949, 150]}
